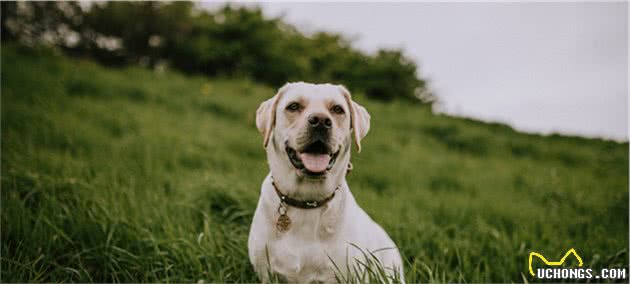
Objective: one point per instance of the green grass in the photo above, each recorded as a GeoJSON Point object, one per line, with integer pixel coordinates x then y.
{"type": "Point", "coordinates": [133, 175]}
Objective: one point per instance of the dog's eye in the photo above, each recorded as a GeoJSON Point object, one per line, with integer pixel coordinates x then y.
{"type": "Point", "coordinates": [337, 109]}
{"type": "Point", "coordinates": [293, 107]}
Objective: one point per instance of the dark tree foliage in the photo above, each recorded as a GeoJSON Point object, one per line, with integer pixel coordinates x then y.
{"type": "Point", "coordinates": [231, 41]}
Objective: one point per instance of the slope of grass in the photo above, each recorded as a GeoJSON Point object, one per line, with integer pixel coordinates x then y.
{"type": "Point", "coordinates": [132, 175]}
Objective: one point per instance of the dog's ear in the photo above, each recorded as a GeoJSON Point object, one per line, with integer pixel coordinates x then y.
{"type": "Point", "coordinates": [359, 118]}
{"type": "Point", "coordinates": [266, 115]}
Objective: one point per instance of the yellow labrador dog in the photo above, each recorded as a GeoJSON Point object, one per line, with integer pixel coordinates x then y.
{"type": "Point", "coordinates": [307, 225]}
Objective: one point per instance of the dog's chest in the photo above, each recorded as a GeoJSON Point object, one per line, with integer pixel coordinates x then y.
{"type": "Point", "coordinates": [295, 259]}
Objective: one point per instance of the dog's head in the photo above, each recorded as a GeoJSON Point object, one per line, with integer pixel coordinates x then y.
{"type": "Point", "coordinates": [308, 129]}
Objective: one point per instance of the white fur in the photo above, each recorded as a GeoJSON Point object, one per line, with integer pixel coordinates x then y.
{"type": "Point", "coordinates": [304, 252]}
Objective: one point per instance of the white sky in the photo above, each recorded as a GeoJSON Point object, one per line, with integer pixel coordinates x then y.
{"type": "Point", "coordinates": [539, 67]}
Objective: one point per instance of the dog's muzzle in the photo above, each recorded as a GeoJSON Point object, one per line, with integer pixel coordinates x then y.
{"type": "Point", "coordinates": [316, 157]}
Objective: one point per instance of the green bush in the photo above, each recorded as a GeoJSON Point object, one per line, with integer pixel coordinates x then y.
{"type": "Point", "coordinates": [227, 42]}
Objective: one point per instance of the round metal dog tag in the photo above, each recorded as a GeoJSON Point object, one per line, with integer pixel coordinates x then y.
{"type": "Point", "coordinates": [283, 223]}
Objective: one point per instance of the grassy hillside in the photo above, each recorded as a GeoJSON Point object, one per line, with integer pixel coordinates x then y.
{"type": "Point", "coordinates": [132, 175]}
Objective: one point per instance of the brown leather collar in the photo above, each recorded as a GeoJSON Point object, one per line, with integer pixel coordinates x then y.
{"type": "Point", "coordinates": [304, 204]}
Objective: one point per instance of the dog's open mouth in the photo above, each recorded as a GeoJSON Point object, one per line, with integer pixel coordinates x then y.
{"type": "Point", "coordinates": [315, 159]}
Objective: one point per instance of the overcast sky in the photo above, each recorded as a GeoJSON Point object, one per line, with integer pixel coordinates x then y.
{"type": "Point", "coordinates": [539, 67]}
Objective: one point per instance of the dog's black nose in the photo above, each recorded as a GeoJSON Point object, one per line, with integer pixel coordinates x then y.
{"type": "Point", "coordinates": [319, 121]}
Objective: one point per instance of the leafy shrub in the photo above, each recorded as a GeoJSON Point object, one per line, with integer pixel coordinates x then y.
{"type": "Point", "coordinates": [225, 42]}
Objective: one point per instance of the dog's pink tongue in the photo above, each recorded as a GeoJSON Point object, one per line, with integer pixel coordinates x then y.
{"type": "Point", "coordinates": [315, 163]}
